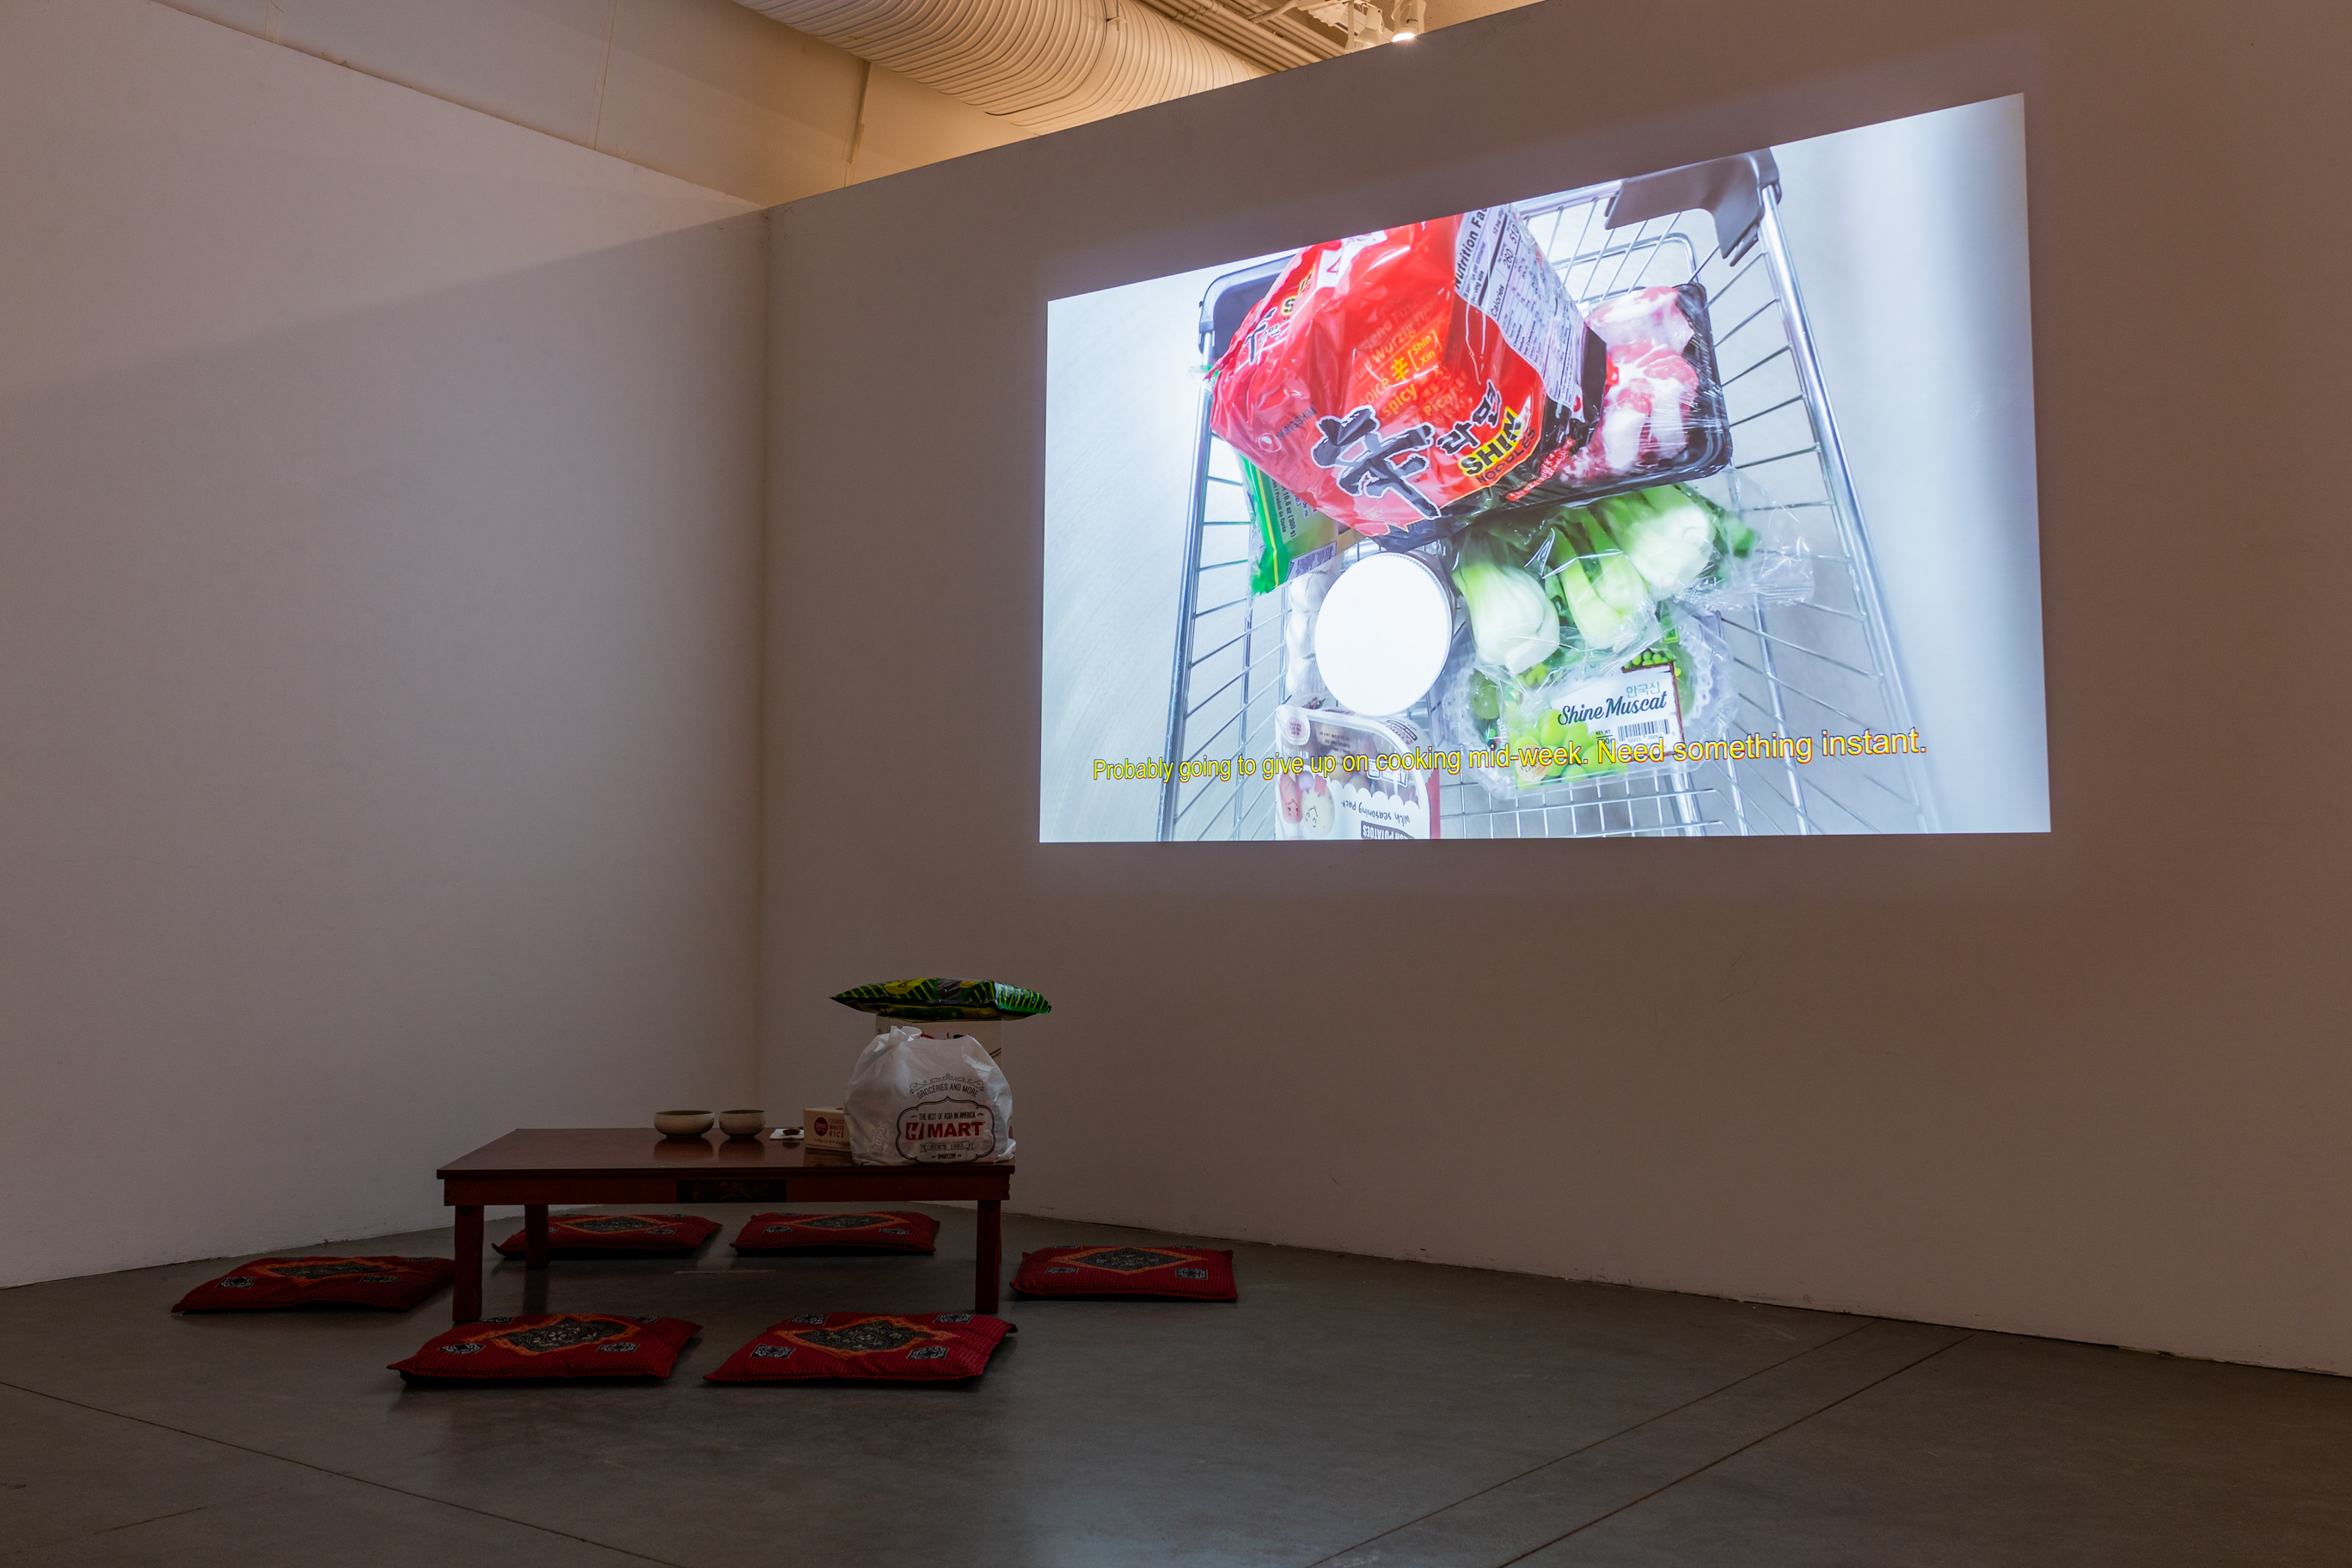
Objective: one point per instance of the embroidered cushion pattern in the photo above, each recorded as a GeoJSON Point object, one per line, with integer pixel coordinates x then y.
{"type": "Point", "coordinates": [552, 1344]}
{"type": "Point", "coordinates": [268, 1283]}
{"type": "Point", "coordinates": [860, 1346]}
{"type": "Point", "coordinates": [1184, 1273]}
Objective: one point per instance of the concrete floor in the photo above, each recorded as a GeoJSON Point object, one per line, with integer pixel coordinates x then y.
{"type": "Point", "coordinates": [1348, 1410]}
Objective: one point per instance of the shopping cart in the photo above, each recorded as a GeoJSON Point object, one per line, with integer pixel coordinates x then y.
{"type": "Point", "coordinates": [1822, 666]}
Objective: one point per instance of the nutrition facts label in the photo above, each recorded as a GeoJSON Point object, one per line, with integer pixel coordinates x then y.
{"type": "Point", "coordinates": [1500, 271]}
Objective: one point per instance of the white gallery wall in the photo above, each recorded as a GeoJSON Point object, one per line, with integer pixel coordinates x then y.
{"type": "Point", "coordinates": [380, 498]}
{"type": "Point", "coordinates": [2091, 1083]}
{"type": "Point", "coordinates": [383, 700]}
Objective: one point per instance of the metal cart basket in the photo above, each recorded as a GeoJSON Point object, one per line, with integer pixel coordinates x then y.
{"type": "Point", "coordinates": [1824, 664]}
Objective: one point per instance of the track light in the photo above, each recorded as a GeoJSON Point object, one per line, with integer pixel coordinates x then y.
{"type": "Point", "coordinates": [1411, 20]}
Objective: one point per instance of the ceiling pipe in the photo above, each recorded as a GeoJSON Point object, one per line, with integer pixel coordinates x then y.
{"type": "Point", "coordinates": [1040, 64]}
{"type": "Point", "coordinates": [1275, 34]}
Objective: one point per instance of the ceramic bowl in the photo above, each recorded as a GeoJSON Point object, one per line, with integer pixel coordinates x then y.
{"type": "Point", "coordinates": [682, 1123]}
{"type": "Point", "coordinates": [742, 1123]}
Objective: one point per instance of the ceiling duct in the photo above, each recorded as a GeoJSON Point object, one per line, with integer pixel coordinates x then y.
{"type": "Point", "coordinates": [1275, 34]}
{"type": "Point", "coordinates": [1041, 64]}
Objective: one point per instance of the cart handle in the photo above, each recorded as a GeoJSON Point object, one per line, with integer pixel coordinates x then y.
{"type": "Point", "coordinates": [1233, 297]}
{"type": "Point", "coordinates": [1732, 189]}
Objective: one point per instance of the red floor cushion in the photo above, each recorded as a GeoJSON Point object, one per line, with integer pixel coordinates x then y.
{"type": "Point", "coordinates": [397, 1283]}
{"type": "Point", "coordinates": [552, 1344]}
{"type": "Point", "coordinates": [1191, 1273]}
{"type": "Point", "coordinates": [908, 1347]}
{"type": "Point", "coordinates": [879, 1231]}
{"type": "Point", "coordinates": [580, 1233]}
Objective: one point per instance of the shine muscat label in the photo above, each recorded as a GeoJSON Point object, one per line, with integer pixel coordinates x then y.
{"type": "Point", "coordinates": [1631, 708]}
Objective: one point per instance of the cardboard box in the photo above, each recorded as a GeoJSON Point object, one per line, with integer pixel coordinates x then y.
{"type": "Point", "coordinates": [825, 1127]}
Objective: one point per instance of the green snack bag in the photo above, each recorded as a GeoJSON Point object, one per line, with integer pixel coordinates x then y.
{"type": "Point", "coordinates": [932, 1000]}
{"type": "Point", "coordinates": [1286, 535]}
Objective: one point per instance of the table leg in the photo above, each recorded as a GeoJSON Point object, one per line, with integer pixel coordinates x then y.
{"type": "Point", "coordinates": [991, 1264]}
{"type": "Point", "coordinates": [534, 1236]}
{"type": "Point", "coordinates": [466, 1304]}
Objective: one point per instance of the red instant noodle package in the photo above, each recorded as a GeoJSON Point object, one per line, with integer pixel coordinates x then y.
{"type": "Point", "coordinates": [1403, 381]}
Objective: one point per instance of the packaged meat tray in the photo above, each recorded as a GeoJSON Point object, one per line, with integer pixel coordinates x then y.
{"type": "Point", "coordinates": [1660, 419]}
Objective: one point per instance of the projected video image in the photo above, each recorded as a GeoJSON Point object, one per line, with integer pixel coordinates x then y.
{"type": "Point", "coordinates": [1693, 504]}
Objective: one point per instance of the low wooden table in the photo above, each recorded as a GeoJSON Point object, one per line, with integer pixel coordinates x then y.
{"type": "Point", "coordinates": [537, 1166]}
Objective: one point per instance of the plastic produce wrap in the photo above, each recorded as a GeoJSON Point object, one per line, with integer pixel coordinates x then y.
{"type": "Point", "coordinates": [1339, 775]}
{"type": "Point", "coordinates": [1402, 380]}
{"type": "Point", "coordinates": [1547, 597]}
{"type": "Point", "coordinates": [1660, 418]}
{"type": "Point", "coordinates": [1585, 723]}
{"type": "Point", "coordinates": [1575, 591]}
{"type": "Point", "coordinates": [1711, 698]}
{"type": "Point", "coordinates": [1763, 555]}
{"type": "Point", "coordinates": [1303, 595]}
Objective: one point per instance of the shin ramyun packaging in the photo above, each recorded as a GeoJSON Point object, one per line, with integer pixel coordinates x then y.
{"type": "Point", "coordinates": [1400, 382]}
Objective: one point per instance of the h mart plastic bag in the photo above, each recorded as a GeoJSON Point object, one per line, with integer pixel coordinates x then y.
{"type": "Point", "coordinates": [915, 1100]}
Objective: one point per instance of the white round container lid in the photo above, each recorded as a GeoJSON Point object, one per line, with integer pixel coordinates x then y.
{"type": "Point", "coordinates": [1381, 638]}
